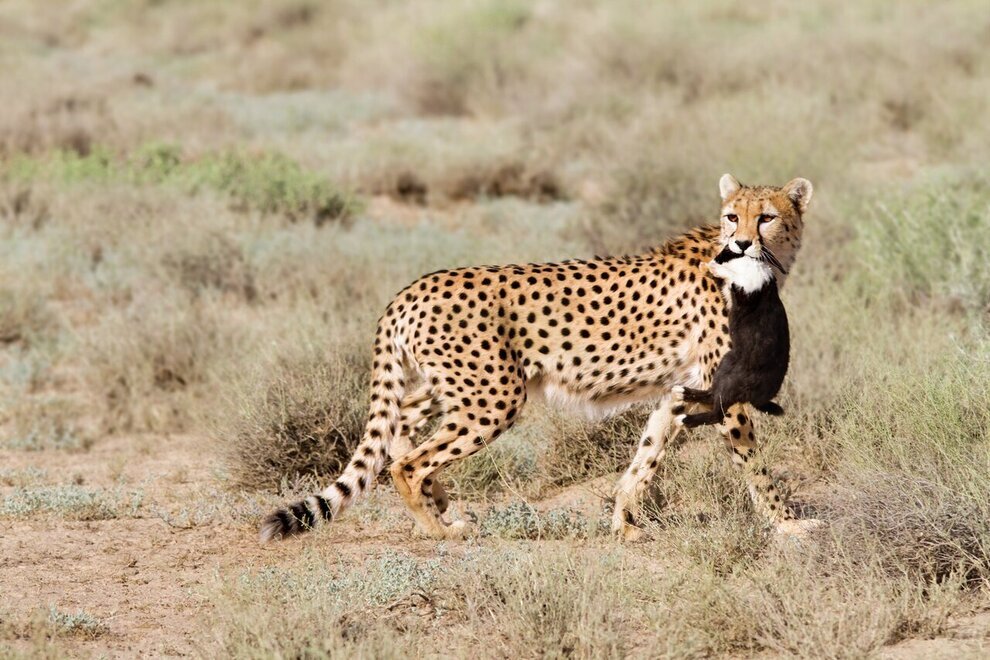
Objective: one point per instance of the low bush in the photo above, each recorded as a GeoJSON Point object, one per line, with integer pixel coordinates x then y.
{"type": "Point", "coordinates": [69, 502]}
{"type": "Point", "coordinates": [147, 361]}
{"type": "Point", "coordinates": [77, 624]}
{"type": "Point", "coordinates": [520, 520]}
{"type": "Point", "coordinates": [303, 418]}
{"type": "Point", "coordinates": [25, 318]}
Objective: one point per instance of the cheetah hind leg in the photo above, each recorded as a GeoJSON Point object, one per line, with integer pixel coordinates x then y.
{"type": "Point", "coordinates": [458, 436]}
{"type": "Point", "coordinates": [418, 409]}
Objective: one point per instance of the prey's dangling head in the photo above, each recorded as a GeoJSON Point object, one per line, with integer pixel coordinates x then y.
{"type": "Point", "coordinates": [764, 222]}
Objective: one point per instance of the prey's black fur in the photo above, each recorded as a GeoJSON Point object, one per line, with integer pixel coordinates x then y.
{"type": "Point", "coordinates": [754, 369]}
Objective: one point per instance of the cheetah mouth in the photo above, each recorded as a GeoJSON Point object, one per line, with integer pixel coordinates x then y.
{"type": "Point", "coordinates": [727, 255]}
{"type": "Point", "coordinates": [765, 255]}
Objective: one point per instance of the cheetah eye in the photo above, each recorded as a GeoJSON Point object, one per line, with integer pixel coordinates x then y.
{"type": "Point", "coordinates": [765, 217]}
{"type": "Point", "coordinates": [731, 217]}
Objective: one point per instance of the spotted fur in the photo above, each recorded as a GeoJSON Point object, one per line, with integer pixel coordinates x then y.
{"type": "Point", "coordinates": [474, 344]}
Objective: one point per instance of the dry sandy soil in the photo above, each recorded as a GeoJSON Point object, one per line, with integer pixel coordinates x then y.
{"type": "Point", "coordinates": [144, 576]}
{"type": "Point", "coordinates": [148, 577]}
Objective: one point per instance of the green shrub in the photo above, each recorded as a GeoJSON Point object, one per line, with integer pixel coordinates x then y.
{"type": "Point", "coordinates": [264, 182]}
{"type": "Point", "coordinates": [271, 183]}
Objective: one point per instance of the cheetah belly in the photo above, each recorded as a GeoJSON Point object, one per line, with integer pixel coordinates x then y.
{"type": "Point", "coordinates": [562, 395]}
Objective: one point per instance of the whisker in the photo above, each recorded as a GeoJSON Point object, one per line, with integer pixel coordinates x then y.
{"type": "Point", "coordinates": [768, 254]}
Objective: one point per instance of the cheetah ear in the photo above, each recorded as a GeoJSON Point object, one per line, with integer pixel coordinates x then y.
{"type": "Point", "coordinates": [799, 191]}
{"type": "Point", "coordinates": [727, 186]}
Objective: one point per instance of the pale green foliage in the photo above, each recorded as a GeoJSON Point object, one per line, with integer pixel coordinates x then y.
{"type": "Point", "coordinates": [42, 422]}
{"type": "Point", "coordinates": [933, 243]}
{"type": "Point", "coordinates": [520, 520]}
{"type": "Point", "coordinates": [70, 502]}
{"type": "Point", "coordinates": [22, 477]}
{"type": "Point", "coordinates": [263, 182]}
{"type": "Point", "coordinates": [79, 623]}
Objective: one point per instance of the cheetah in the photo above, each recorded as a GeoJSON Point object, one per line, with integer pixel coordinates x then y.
{"type": "Point", "coordinates": [473, 345]}
{"type": "Point", "coordinates": [754, 369]}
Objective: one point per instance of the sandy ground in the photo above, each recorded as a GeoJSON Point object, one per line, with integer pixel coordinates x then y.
{"type": "Point", "coordinates": [148, 578]}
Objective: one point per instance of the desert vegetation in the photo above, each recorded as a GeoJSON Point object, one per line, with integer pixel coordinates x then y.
{"type": "Point", "coordinates": [205, 206]}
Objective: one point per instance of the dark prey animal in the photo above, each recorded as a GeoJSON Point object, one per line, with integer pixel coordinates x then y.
{"type": "Point", "coordinates": [754, 369]}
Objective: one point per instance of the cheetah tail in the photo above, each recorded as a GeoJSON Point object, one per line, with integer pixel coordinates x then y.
{"type": "Point", "coordinates": [387, 388]}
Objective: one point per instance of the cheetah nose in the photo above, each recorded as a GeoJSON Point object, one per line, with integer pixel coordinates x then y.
{"type": "Point", "coordinates": [743, 245]}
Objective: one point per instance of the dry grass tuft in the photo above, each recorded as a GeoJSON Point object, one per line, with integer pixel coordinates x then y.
{"type": "Point", "coordinates": [147, 361]}
{"type": "Point", "coordinates": [649, 199]}
{"type": "Point", "coordinates": [912, 527]}
{"type": "Point", "coordinates": [475, 181]}
{"type": "Point", "coordinates": [24, 318]}
{"type": "Point", "coordinates": [41, 422]}
{"type": "Point", "coordinates": [508, 180]}
{"type": "Point", "coordinates": [304, 419]}
{"type": "Point", "coordinates": [567, 605]}
{"type": "Point", "coordinates": [212, 263]}
{"type": "Point", "coordinates": [70, 122]}
{"type": "Point", "coordinates": [579, 450]}
{"type": "Point", "coordinates": [174, 282]}
{"type": "Point", "coordinates": [23, 205]}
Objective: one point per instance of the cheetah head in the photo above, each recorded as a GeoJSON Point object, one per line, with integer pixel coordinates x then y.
{"type": "Point", "coordinates": [764, 222]}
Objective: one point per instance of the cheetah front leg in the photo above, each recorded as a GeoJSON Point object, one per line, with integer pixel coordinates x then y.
{"type": "Point", "coordinates": [738, 433]}
{"type": "Point", "coordinates": [629, 490]}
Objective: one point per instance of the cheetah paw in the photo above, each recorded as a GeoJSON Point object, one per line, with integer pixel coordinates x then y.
{"type": "Point", "coordinates": [798, 528]}
{"type": "Point", "coordinates": [629, 533]}
{"type": "Point", "coordinates": [457, 530]}
{"type": "Point", "coordinates": [677, 394]}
